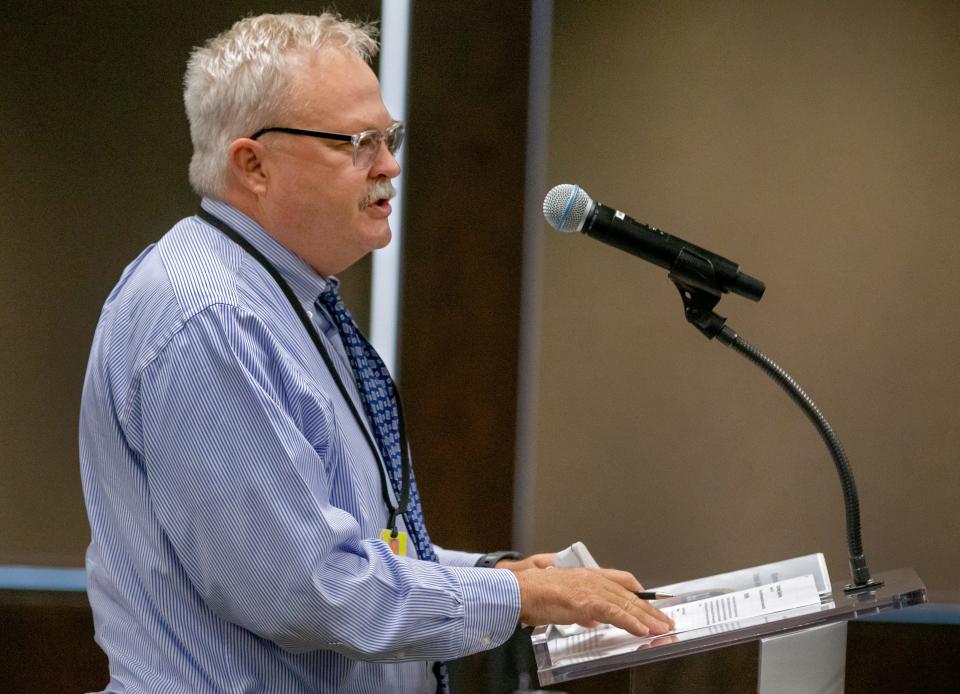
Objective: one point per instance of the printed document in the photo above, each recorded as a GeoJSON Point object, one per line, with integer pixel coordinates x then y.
{"type": "Point", "coordinates": [772, 597]}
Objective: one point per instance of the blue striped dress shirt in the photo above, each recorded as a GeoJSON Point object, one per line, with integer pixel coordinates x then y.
{"type": "Point", "coordinates": [234, 503]}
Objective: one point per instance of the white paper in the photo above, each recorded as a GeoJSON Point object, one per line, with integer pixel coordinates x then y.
{"type": "Point", "coordinates": [574, 557]}
{"type": "Point", "coordinates": [813, 564]}
{"type": "Point", "coordinates": [773, 597]}
{"type": "Point", "coordinates": [714, 600]}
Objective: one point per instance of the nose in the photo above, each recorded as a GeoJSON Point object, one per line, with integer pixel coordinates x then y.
{"type": "Point", "coordinates": [385, 164]}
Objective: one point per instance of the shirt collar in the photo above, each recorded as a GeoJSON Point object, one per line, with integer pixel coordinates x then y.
{"type": "Point", "coordinates": [305, 282]}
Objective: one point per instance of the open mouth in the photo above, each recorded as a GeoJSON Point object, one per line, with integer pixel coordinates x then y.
{"type": "Point", "coordinates": [379, 205]}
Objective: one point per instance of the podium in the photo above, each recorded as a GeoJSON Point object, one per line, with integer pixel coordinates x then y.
{"type": "Point", "coordinates": [800, 650]}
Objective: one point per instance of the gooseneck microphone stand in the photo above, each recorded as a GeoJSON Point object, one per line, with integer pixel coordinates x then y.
{"type": "Point", "coordinates": [699, 300]}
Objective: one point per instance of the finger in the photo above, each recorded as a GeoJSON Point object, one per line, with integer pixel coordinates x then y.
{"type": "Point", "coordinates": [611, 604]}
{"type": "Point", "coordinates": [645, 605]}
{"type": "Point", "coordinates": [650, 608]}
{"type": "Point", "coordinates": [542, 561]}
{"type": "Point", "coordinates": [651, 616]}
{"type": "Point", "coordinates": [628, 597]}
{"type": "Point", "coordinates": [620, 616]}
{"type": "Point", "coordinates": [648, 614]}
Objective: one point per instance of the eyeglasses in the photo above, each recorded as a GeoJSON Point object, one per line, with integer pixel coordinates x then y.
{"type": "Point", "coordinates": [366, 145]}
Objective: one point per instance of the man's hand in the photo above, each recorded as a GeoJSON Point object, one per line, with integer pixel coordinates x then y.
{"type": "Point", "coordinates": [537, 561]}
{"type": "Point", "coordinates": [587, 597]}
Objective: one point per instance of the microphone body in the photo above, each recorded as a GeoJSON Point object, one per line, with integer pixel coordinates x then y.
{"type": "Point", "coordinates": [569, 208]}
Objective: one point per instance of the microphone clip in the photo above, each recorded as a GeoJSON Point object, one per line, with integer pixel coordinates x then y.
{"type": "Point", "coordinates": [698, 305]}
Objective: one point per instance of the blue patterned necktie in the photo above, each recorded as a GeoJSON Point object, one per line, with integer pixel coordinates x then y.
{"type": "Point", "coordinates": [378, 393]}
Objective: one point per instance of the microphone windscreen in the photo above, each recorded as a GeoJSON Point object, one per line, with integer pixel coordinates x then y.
{"type": "Point", "coordinates": [566, 207]}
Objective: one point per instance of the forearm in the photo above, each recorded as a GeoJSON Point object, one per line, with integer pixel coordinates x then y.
{"type": "Point", "coordinates": [383, 607]}
{"type": "Point", "coordinates": [424, 612]}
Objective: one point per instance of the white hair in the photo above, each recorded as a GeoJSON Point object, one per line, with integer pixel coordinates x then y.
{"type": "Point", "coordinates": [239, 81]}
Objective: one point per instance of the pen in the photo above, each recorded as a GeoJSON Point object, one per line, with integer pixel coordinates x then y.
{"type": "Point", "coordinates": [652, 595]}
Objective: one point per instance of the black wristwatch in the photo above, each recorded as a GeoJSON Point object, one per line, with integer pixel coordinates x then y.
{"type": "Point", "coordinates": [489, 561]}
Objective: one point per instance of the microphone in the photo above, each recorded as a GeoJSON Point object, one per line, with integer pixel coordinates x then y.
{"type": "Point", "coordinates": [568, 208]}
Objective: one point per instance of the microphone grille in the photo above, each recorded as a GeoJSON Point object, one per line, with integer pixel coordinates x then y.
{"type": "Point", "coordinates": [566, 207]}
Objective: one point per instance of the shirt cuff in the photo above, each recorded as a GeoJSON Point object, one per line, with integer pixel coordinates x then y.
{"type": "Point", "coordinates": [491, 613]}
{"type": "Point", "coordinates": [452, 557]}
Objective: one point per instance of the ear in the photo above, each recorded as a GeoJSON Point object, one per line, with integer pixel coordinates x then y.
{"type": "Point", "coordinates": [246, 163]}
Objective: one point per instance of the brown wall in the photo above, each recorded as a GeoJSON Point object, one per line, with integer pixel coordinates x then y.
{"type": "Point", "coordinates": [96, 163]}
{"type": "Point", "coordinates": [95, 155]}
{"type": "Point", "coordinates": [817, 144]}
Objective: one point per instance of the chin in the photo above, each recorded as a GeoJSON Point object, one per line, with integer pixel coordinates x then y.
{"type": "Point", "coordinates": [382, 238]}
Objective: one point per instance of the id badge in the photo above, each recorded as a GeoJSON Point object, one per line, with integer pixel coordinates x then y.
{"type": "Point", "coordinates": [398, 544]}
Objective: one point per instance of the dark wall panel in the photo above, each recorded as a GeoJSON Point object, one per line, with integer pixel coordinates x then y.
{"type": "Point", "coordinates": [462, 257]}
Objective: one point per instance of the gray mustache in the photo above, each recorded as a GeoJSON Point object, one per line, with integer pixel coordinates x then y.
{"type": "Point", "coordinates": [381, 189]}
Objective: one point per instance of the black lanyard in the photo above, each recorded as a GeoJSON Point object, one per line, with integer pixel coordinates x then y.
{"type": "Point", "coordinates": [322, 349]}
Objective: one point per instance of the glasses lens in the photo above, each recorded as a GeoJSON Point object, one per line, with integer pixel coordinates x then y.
{"type": "Point", "coordinates": [394, 136]}
{"type": "Point", "coordinates": [365, 147]}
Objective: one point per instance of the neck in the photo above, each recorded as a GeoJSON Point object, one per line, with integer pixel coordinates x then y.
{"type": "Point", "coordinates": [283, 233]}
{"type": "Point", "coordinates": [250, 205]}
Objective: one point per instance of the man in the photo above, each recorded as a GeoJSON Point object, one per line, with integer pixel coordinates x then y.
{"type": "Point", "coordinates": [255, 523]}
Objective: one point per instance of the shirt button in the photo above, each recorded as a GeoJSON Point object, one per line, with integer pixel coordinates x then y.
{"type": "Point", "coordinates": [401, 653]}
{"type": "Point", "coordinates": [486, 640]}
{"type": "Point", "coordinates": [310, 313]}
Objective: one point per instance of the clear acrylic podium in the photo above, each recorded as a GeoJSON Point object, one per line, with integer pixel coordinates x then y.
{"type": "Point", "coordinates": [801, 650]}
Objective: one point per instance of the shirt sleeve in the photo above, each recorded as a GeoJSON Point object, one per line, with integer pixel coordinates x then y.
{"type": "Point", "coordinates": [245, 501]}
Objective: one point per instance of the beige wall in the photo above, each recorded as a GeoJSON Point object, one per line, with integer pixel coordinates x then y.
{"type": "Point", "coordinates": [817, 144]}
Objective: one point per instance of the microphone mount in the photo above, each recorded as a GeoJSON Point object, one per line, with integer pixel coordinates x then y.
{"type": "Point", "coordinates": [700, 294]}
{"type": "Point", "coordinates": [699, 300]}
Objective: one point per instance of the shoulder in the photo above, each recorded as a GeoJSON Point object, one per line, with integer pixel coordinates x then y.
{"type": "Point", "coordinates": [199, 266]}
{"type": "Point", "coordinates": [190, 270]}
{"type": "Point", "coordinates": [193, 268]}
{"type": "Point", "coordinates": [228, 315]}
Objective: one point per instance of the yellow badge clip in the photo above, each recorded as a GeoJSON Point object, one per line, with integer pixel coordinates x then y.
{"type": "Point", "coordinates": [397, 543]}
